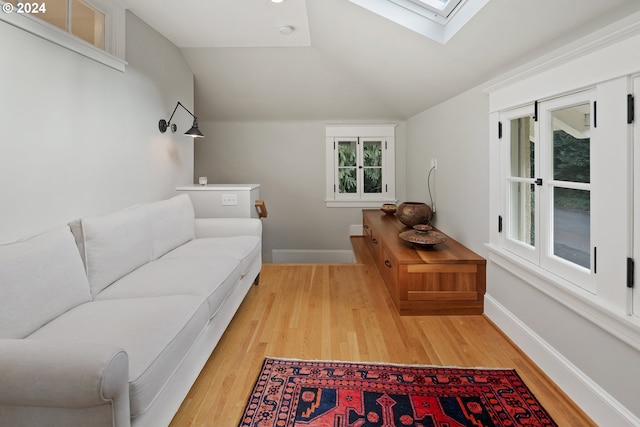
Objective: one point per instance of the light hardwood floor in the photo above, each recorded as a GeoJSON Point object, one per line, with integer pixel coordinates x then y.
{"type": "Point", "coordinates": [343, 312]}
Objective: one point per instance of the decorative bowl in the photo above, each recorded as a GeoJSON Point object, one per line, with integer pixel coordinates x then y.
{"type": "Point", "coordinates": [421, 238]}
{"type": "Point", "coordinates": [422, 228]}
{"type": "Point", "coordinates": [412, 213]}
{"type": "Point", "coordinates": [389, 208]}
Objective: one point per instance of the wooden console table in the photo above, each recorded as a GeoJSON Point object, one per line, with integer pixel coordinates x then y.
{"type": "Point", "coordinates": [444, 279]}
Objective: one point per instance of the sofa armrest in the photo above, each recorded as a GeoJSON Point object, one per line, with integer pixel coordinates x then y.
{"type": "Point", "coordinates": [42, 373]}
{"type": "Point", "coordinates": [227, 227]}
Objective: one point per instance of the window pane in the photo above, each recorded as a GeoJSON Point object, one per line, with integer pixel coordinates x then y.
{"type": "Point", "coordinates": [571, 140]}
{"type": "Point", "coordinates": [56, 13]}
{"type": "Point", "coordinates": [372, 153]}
{"type": "Point", "coordinates": [347, 171]}
{"type": "Point", "coordinates": [372, 159]}
{"type": "Point", "coordinates": [347, 180]}
{"type": "Point", "coordinates": [346, 153]}
{"type": "Point", "coordinates": [572, 225]}
{"type": "Point", "coordinates": [522, 147]}
{"type": "Point", "coordinates": [373, 180]}
{"type": "Point", "coordinates": [522, 213]}
{"type": "Point", "coordinates": [87, 23]}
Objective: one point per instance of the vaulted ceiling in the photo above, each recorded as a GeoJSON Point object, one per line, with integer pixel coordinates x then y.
{"type": "Point", "coordinates": [344, 62]}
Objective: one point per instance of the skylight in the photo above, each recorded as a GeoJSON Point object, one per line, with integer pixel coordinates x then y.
{"type": "Point", "coordinates": [441, 8]}
{"type": "Point", "coordinates": [437, 19]}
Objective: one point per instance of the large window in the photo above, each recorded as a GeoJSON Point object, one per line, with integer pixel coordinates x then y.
{"type": "Point", "coordinates": [565, 196]}
{"type": "Point", "coordinates": [360, 165]}
{"type": "Point", "coordinates": [547, 163]}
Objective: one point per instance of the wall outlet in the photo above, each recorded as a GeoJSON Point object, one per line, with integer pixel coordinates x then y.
{"type": "Point", "coordinates": [434, 163]}
{"type": "Point", "coordinates": [229, 200]}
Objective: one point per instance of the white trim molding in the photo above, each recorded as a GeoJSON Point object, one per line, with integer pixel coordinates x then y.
{"type": "Point", "coordinates": [364, 204]}
{"type": "Point", "coordinates": [593, 399]}
{"type": "Point", "coordinates": [624, 327]}
{"type": "Point", "coordinates": [355, 230]}
{"type": "Point", "coordinates": [312, 256]}
{"type": "Point", "coordinates": [608, 36]}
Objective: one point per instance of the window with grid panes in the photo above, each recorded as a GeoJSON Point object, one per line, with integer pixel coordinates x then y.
{"type": "Point", "coordinates": [360, 163]}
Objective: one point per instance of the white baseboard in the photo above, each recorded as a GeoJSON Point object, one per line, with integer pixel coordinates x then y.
{"type": "Point", "coordinates": [599, 405]}
{"type": "Point", "coordinates": [312, 256]}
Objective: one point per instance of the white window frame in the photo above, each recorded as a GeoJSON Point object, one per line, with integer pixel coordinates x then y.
{"type": "Point", "coordinates": [114, 52]}
{"type": "Point", "coordinates": [633, 306]}
{"type": "Point", "coordinates": [518, 247]}
{"type": "Point", "coordinates": [440, 8]}
{"type": "Point", "coordinates": [384, 132]}
{"type": "Point", "coordinates": [581, 276]}
{"type": "Point", "coordinates": [542, 253]}
{"type": "Point", "coordinates": [613, 205]}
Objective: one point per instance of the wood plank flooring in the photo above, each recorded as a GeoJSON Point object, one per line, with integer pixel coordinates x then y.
{"type": "Point", "coordinates": [343, 312]}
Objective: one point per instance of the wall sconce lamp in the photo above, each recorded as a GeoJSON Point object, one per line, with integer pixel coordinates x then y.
{"type": "Point", "coordinates": [163, 125]}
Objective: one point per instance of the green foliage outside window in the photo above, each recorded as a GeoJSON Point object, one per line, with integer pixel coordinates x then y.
{"type": "Point", "coordinates": [347, 168]}
{"type": "Point", "coordinates": [373, 180]}
{"type": "Point", "coordinates": [372, 154]}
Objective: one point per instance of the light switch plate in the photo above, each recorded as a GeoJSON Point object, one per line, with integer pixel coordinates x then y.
{"type": "Point", "coordinates": [229, 200]}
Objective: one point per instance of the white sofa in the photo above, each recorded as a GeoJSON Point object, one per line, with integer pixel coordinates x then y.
{"type": "Point", "coordinates": [109, 320]}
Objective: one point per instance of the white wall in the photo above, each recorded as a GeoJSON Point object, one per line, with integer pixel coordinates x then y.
{"type": "Point", "coordinates": [456, 134]}
{"type": "Point", "coordinates": [78, 138]}
{"type": "Point", "coordinates": [287, 159]}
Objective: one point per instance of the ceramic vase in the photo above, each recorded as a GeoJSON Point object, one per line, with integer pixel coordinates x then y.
{"type": "Point", "coordinates": [412, 213]}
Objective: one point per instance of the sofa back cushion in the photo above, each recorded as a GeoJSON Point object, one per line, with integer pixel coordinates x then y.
{"type": "Point", "coordinates": [172, 223]}
{"type": "Point", "coordinates": [40, 278]}
{"type": "Point", "coordinates": [114, 245]}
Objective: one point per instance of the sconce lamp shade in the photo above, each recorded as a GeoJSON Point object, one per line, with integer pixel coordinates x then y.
{"type": "Point", "coordinates": [194, 131]}
{"type": "Point", "coordinates": [163, 124]}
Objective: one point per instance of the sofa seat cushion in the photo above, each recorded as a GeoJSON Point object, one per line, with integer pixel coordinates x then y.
{"type": "Point", "coordinates": [213, 279]}
{"type": "Point", "coordinates": [40, 278]}
{"type": "Point", "coordinates": [246, 249]}
{"type": "Point", "coordinates": [157, 333]}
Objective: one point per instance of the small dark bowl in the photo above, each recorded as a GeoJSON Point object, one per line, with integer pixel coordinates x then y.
{"type": "Point", "coordinates": [423, 228]}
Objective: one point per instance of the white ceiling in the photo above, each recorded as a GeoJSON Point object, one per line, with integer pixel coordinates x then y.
{"type": "Point", "coordinates": [343, 62]}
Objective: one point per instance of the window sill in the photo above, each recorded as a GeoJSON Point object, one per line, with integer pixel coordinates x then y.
{"type": "Point", "coordinates": [61, 38]}
{"type": "Point", "coordinates": [624, 327]}
{"type": "Point", "coordinates": [364, 204]}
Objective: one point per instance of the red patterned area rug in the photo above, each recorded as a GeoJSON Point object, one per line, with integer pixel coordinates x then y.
{"type": "Point", "coordinates": [294, 393]}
